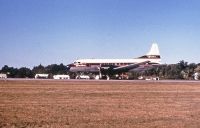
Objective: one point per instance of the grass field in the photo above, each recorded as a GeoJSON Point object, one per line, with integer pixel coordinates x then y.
{"type": "Point", "coordinates": [94, 104]}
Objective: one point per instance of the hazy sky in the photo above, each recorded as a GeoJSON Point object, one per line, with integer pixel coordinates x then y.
{"type": "Point", "coordinates": [34, 32]}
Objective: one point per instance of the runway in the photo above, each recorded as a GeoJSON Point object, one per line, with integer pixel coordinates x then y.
{"type": "Point", "coordinates": [93, 80]}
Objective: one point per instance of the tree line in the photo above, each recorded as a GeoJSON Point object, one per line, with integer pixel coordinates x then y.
{"type": "Point", "coordinates": [25, 72]}
{"type": "Point", "coordinates": [181, 70]}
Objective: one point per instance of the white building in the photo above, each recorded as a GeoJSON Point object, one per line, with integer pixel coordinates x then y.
{"type": "Point", "coordinates": [83, 77]}
{"type": "Point", "coordinates": [196, 76]}
{"type": "Point", "coordinates": [41, 76]}
{"type": "Point", "coordinates": [61, 77]}
{"type": "Point", "coordinates": [3, 76]}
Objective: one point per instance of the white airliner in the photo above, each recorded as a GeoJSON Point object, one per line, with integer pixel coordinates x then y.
{"type": "Point", "coordinates": [117, 66]}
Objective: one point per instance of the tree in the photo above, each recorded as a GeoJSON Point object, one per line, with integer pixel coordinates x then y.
{"type": "Point", "coordinates": [182, 65]}
{"type": "Point", "coordinates": [10, 71]}
{"type": "Point", "coordinates": [191, 70]}
{"type": "Point", "coordinates": [39, 69]}
{"type": "Point", "coordinates": [56, 69]}
{"type": "Point", "coordinates": [24, 73]}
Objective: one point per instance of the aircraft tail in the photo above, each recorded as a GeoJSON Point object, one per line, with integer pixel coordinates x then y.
{"type": "Point", "coordinates": [153, 54]}
{"type": "Point", "coordinates": [154, 51]}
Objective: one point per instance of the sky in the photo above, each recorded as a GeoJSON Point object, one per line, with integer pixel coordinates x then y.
{"type": "Point", "coordinates": [34, 32]}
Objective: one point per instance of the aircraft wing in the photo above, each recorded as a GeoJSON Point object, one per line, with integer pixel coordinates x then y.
{"type": "Point", "coordinates": [146, 68]}
{"type": "Point", "coordinates": [129, 67]}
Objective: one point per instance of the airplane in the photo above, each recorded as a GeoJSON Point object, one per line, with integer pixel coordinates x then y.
{"type": "Point", "coordinates": [110, 67]}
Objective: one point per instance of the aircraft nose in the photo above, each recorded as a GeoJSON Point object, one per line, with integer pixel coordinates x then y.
{"type": "Point", "coordinates": [71, 65]}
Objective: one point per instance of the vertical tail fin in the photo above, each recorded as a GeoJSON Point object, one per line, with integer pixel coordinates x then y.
{"type": "Point", "coordinates": [154, 50]}
{"type": "Point", "coordinates": [153, 55]}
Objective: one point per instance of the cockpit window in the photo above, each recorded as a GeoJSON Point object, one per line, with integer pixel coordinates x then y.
{"type": "Point", "coordinates": [77, 62]}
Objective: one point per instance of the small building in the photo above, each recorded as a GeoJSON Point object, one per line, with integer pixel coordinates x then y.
{"type": "Point", "coordinates": [3, 76]}
{"type": "Point", "coordinates": [41, 76]}
{"type": "Point", "coordinates": [152, 78]}
{"type": "Point", "coordinates": [156, 78]}
{"type": "Point", "coordinates": [61, 77]}
{"type": "Point", "coordinates": [196, 76]}
{"type": "Point", "coordinates": [140, 78]}
{"type": "Point", "coordinates": [83, 77]}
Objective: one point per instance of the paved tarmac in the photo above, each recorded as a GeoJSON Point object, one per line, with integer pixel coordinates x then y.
{"type": "Point", "coordinates": [162, 81]}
